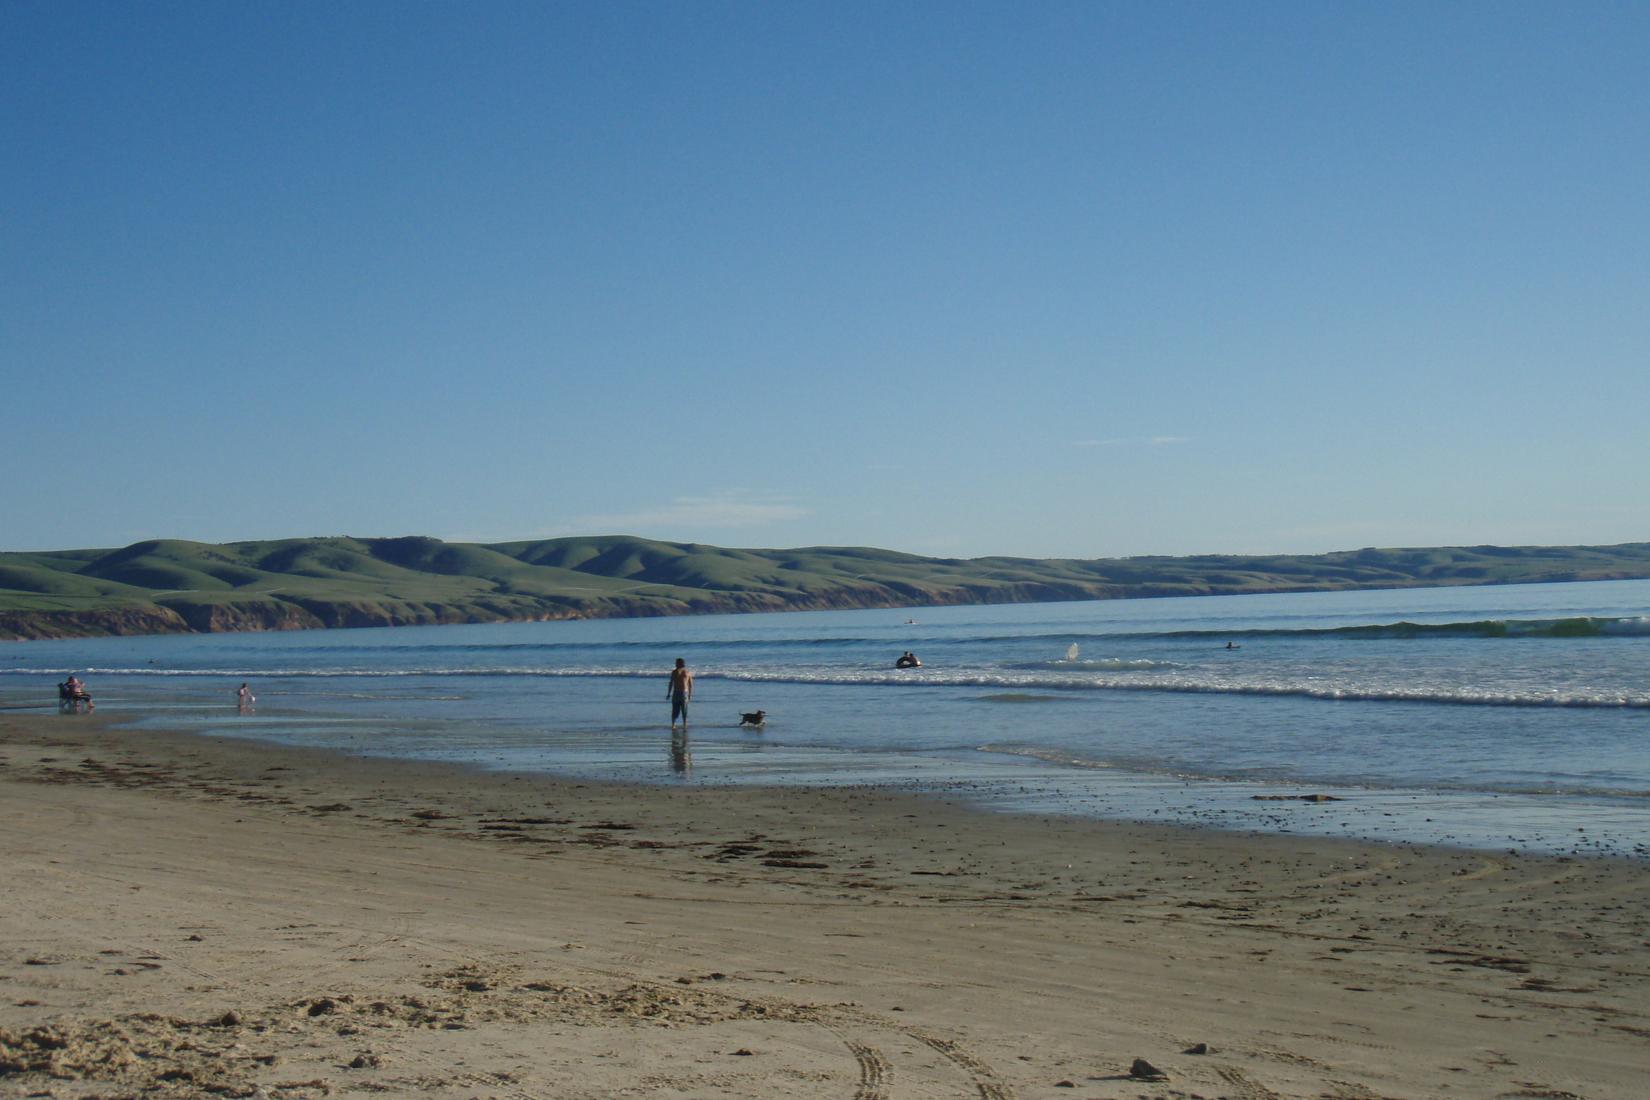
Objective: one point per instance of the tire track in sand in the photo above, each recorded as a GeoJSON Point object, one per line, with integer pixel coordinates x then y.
{"type": "Point", "coordinates": [876, 1072]}
{"type": "Point", "coordinates": [985, 1079]}
{"type": "Point", "coordinates": [873, 1068]}
{"type": "Point", "coordinates": [1248, 1088]}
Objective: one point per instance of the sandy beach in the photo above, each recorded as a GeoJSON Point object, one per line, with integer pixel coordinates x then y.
{"type": "Point", "coordinates": [188, 916]}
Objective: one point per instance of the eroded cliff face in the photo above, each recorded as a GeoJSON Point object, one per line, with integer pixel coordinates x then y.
{"type": "Point", "coordinates": [22, 625]}
{"type": "Point", "coordinates": [228, 618]}
{"type": "Point", "coordinates": [186, 617]}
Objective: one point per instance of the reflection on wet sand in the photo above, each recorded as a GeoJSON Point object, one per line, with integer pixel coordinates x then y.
{"type": "Point", "coordinates": [681, 753]}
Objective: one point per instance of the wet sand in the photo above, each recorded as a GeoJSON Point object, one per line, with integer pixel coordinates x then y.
{"type": "Point", "coordinates": [186, 916]}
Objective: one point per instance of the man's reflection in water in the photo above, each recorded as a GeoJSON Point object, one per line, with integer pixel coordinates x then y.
{"type": "Point", "coordinates": [681, 753]}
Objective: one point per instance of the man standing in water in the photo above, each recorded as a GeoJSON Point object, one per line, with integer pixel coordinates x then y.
{"type": "Point", "coordinates": [681, 690]}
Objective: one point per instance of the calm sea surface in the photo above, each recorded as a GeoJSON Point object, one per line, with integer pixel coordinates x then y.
{"type": "Point", "coordinates": [1500, 717]}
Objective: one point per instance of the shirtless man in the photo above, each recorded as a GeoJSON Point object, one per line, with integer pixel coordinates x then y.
{"type": "Point", "coordinates": [679, 692]}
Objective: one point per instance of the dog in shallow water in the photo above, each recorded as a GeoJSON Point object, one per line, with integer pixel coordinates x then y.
{"type": "Point", "coordinates": [758, 718]}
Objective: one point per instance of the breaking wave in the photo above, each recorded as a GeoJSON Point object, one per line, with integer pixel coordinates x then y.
{"type": "Point", "coordinates": [1044, 676]}
{"type": "Point", "coordinates": [1104, 664]}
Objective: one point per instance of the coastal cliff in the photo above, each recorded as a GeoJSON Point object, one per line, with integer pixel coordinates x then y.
{"type": "Point", "coordinates": [174, 587]}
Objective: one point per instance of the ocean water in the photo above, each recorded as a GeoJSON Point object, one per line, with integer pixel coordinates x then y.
{"type": "Point", "coordinates": [1507, 717]}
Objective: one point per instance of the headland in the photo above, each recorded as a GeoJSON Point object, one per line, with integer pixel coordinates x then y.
{"type": "Point", "coordinates": [173, 586]}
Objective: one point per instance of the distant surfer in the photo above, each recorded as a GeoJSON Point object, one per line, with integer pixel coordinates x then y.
{"type": "Point", "coordinates": [907, 660]}
{"type": "Point", "coordinates": [1233, 645]}
{"type": "Point", "coordinates": [680, 692]}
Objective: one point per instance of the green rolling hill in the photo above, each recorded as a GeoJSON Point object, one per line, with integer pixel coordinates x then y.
{"type": "Point", "coordinates": [170, 586]}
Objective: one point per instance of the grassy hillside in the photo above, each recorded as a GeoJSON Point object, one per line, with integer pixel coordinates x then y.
{"type": "Point", "coordinates": [162, 586]}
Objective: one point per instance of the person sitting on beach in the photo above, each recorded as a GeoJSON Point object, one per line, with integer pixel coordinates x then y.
{"type": "Point", "coordinates": [72, 693]}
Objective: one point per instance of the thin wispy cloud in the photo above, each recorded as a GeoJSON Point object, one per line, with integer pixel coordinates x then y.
{"type": "Point", "coordinates": [1169, 440]}
{"type": "Point", "coordinates": [734, 508]}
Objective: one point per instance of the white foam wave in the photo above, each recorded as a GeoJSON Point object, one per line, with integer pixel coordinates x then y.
{"type": "Point", "coordinates": [1099, 664]}
{"type": "Point", "coordinates": [1189, 685]}
{"type": "Point", "coordinates": [1054, 676]}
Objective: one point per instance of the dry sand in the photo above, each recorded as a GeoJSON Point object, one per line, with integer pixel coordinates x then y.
{"type": "Point", "coordinates": [195, 917]}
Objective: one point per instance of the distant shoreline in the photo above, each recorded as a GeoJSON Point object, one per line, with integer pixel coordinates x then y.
{"type": "Point", "coordinates": [175, 587]}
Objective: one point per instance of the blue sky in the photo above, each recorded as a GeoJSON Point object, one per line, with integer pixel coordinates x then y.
{"type": "Point", "coordinates": [1051, 280]}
